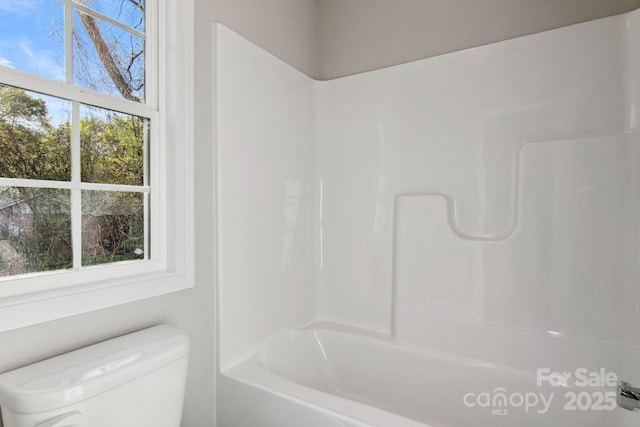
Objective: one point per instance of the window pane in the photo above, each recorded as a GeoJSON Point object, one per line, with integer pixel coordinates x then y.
{"type": "Point", "coordinates": [128, 12]}
{"type": "Point", "coordinates": [112, 227]}
{"type": "Point", "coordinates": [32, 37]}
{"type": "Point", "coordinates": [107, 59]}
{"type": "Point", "coordinates": [112, 147]}
{"type": "Point", "coordinates": [34, 136]}
{"type": "Point", "coordinates": [35, 230]}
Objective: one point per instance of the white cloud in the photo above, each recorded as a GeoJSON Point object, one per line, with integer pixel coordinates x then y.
{"type": "Point", "coordinates": [25, 46]}
{"type": "Point", "coordinates": [18, 7]}
{"type": "Point", "coordinates": [6, 62]}
{"type": "Point", "coordinates": [42, 62]}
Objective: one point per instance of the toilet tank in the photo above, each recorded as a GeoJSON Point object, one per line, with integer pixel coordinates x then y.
{"type": "Point", "coordinates": [136, 380]}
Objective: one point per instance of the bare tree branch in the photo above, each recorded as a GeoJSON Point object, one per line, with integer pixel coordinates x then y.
{"type": "Point", "coordinates": [137, 4]}
{"type": "Point", "coordinates": [104, 53]}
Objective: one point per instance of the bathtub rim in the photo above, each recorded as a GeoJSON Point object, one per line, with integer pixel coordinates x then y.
{"type": "Point", "coordinates": [252, 372]}
{"type": "Point", "coordinates": [359, 414]}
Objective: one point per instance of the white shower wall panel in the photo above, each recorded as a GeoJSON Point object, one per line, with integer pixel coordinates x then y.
{"type": "Point", "coordinates": [264, 132]}
{"type": "Point", "coordinates": [450, 130]}
{"type": "Point", "coordinates": [481, 203]}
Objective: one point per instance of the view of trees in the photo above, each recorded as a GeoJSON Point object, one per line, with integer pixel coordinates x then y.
{"type": "Point", "coordinates": [107, 59]}
{"type": "Point", "coordinates": [35, 223]}
{"type": "Point", "coordinates": [32, 148]}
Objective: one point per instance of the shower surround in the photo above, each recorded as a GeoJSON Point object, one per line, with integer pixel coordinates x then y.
{"type": "Point", "coordinates": [396, 243]}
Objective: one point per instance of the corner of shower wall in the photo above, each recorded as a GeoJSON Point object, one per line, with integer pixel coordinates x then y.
{"type": "Point", "coordinates": [264, 115]}
{"type": "Point", "coordinates": [632, 69]}
{"type": "Point", "coordinates": [318, 113]}
{"type": "Point", "coordinates": [339, 231]}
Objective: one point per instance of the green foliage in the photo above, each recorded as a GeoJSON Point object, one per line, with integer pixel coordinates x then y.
{"type": "Point", "coordinates": [112, 149]}
{"type": "Point", "coordinates": [31, 147]}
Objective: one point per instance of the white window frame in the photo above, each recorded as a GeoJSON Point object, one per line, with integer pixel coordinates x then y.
{"type": "Point", "coordinates": [54, 295]}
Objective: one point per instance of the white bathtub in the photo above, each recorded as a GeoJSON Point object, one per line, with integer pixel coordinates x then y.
{"type": "Point", "coordinates": [365, 380]}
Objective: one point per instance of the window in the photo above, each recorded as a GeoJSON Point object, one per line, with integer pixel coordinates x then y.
{"type": "Point", "coordinates": [95, 140]}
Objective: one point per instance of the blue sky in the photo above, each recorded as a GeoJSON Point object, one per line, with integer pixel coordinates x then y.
{"type": "Point", "coordinates": [31, 36]}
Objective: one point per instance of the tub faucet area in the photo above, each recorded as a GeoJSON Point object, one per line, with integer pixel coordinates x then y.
{"type": "Point", "coordinates": [628, 396]}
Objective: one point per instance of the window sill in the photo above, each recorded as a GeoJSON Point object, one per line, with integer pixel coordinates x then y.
{"type": "Point", "coordinates": [30, 309]}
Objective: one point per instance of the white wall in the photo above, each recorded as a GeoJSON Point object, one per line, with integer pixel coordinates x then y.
{"type": "Point", "coordinates": [363, 35]}
{"type": "Point", "coordinates": [326, 39]}
{"type": "Point", "coordinates": [287, 29]}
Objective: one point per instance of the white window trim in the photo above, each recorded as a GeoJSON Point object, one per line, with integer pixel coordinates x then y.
{"type": "Point", "coordinates": [176, 76]}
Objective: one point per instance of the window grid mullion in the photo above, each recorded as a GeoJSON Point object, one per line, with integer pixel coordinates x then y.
{"type": "Point", "coordinates": [71, 92]}
{"type": "Point", "coordinates": [147, 230]}
{"type": "Point", "coordinates": [68, 42]}
{"type": "Point", "coordinates": [76, 194]}
{"type": "Point", "coordinates": [76, 228]}
{"type": "Point", "coordinates": [68, 185]}
{"type": "Point", "coordinates": [75, 143]}
{"type": "Point", "coordinates": [146, 178]}
{"type": "Point", "coordinates": [151, 51]}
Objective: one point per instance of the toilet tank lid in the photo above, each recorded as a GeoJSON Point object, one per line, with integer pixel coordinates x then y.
{"type": "Point", "coordinates": [83, 373]}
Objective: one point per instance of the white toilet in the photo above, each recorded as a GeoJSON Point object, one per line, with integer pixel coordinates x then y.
{"type": "Point", "coordinates": [136, 380]}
